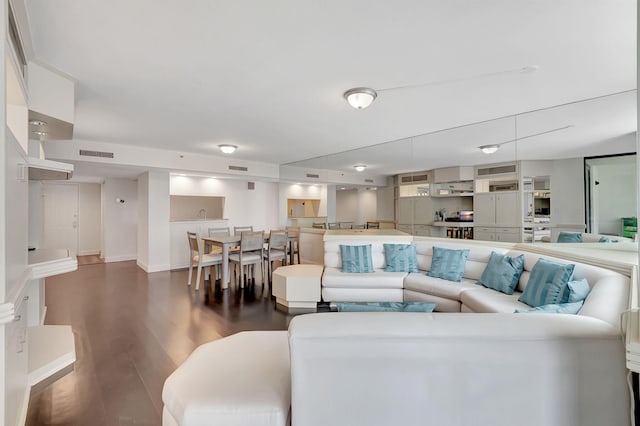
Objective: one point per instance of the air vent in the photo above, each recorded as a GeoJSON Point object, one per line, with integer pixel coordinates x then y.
{"type": "Point", "coordinates": [239, 168]}
{"type": "Point", "coordinates": [312, 175]}
{"type": "Point", "coordinates": [407, 179]}
{"type": "Point", "coordinates": [100, 154]}
{"type": "Point", "coordinates": [498, 170]}
{"type": "Point", "coordinates": [368, 180]}
{"type": "Point", "coordinates": [251, 186]}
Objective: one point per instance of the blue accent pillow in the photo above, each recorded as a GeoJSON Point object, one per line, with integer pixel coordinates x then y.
{"type": "Point", "coordinates": [448, 264]}
{"type": "Point", "coordinates": [570, 237]}
{"type": "Point", "coordinates": [554, 308]}
{"type": "Point", "coordinates": [385, 307]}
{"type": "Point", "coordinates": [356, 259]}
{"type": "Point", "coordinates": [576, 291]}
{"type": "Point", "coordinates": [502, 272]}
{"type": "Point", "coordinates": [546, 283]}
{"type": "Point", "coordinates": [400, 258]}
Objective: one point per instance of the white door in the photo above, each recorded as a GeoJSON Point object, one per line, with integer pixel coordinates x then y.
{"type": "Point", "coordinates": [508, 209]}
{"type": "Point", "coordinates": [484, 209]}
{"type": "Point", "coordinates": [60, 221]}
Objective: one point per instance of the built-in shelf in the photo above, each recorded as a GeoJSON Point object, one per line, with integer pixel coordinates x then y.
{"type": "Point", "coordinates": [47, 262]}
{"type": "Point", "coordinates": [52, 353]}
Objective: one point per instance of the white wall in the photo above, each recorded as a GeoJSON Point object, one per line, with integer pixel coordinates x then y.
{"type": "Point", "coordinates": [615, 195]}
{"type": "Point", "coordinates": [367, 206]}
{"type": "Point", "coordinates": [120, 220]}
{"type": "Point", "coordinates": [356, 205]}
{"type": "Point", "coordinates": [385, 205]}
{"type": "Point", "coordinates": [35, 213]}
{"type": "Point", "coordinates": [243, 207]}
{"type": "Point", "coordinates": [143, 221]}
{"type": "Point", "coordinates": [303, 192]}
{"type": "Point", "coordinates": [89, 218]}
{"type": "Point", "coordinates": [567, 192]}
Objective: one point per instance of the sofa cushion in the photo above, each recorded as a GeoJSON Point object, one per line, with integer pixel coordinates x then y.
{"type": "Point", "coordinates": [400, 258]}
{"type": "Point", "coordinates": [546, 283]}
{"type": "Point", "coordinates": [356, 259]}
{"type": "Point", "coordinates": [570, 237]}
{"type": "Point", "coordinates": [502, 272]}
{"type": "Point", "coordinates": [490, 301]}
{"type": "Point", "coordinates": [333, 277]}
{"type": "Point", "coordinates": [448, 264]}
{"type": "Point", "coordinates": [554, 308]}
{"type": "Point", "coordinates": [576, 291]}
{"type": "Point", "coordinates": [437, 286]}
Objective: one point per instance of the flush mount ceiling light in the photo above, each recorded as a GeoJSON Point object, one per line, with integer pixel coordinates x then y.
{"type": "Point", "coordinates": [360, 97]}
{"type": "Point", "coordinates": [489, 149]}
{"type": "Point", "coordinates": [38, 122]}
{"type": "Point", "coordinates": [360, 167]}
{"type": "Point", "coordinates": [227, 149]}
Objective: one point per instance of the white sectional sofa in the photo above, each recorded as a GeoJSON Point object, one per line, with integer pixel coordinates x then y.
{"type": "Point", "coordinates": [609, 294]}
{"type": "Point", "coordinates": [476, 363]}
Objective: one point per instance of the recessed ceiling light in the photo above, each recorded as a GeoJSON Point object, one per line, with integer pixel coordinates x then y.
{"type": "Point", "coordinates": [38, 122]}
{"type": "Point", "coordinates": [360, 97]}
{"type": "Point", "coordinates": [39, 133]}
{"type": "Point", "coordinates": [489, 149]}
{"type": "Point", "coordinates": [359, 167]}
{"type": "Point", "coordinates": [227, 149]}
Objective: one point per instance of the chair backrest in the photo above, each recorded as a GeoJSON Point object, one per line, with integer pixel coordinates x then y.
{"type": "Point", "coordinates": [250, 241]}
{"type": "Point", "coordinates": [373, 225]}
{"type": "Point", "coordinates": [345, 225]}
{"type": "Point", "coordinates": [194, 242]}
{"type": "Point", "coordinates": [219, 231]}
{"type": "Point", "coordinates": [278, 240]}
{"type": "Point", "coordinates": [319, 225]}
{"type": "Point", "coordinates": [357, 227]}
{"type": "Point", "coordinates": [333, 225]}
{"type": "Point", "coordinates": [240, 229]}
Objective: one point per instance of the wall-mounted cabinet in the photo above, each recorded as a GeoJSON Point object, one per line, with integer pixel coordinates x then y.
{"type": "Point", "coordinates": [453, 174]}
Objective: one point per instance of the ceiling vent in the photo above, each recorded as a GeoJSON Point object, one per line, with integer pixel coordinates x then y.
{"type": "Point", "coordinates": [239, 168]}
{"type": "Point", "coordinates": [100, 154]}
{"type": "Point", "coordinates": [368, 180]}
{"type": "Point", "coordinates": [496, 170]}
{"type": "Point", "coordinates": [313, 175]}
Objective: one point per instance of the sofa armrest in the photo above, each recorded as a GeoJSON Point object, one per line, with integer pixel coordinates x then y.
{"type": "Point", "coordinates": [410, 369]}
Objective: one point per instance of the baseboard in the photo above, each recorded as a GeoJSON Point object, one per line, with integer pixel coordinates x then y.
{"type": "Point", "coordinates": [22, 415]}
{"type": "Point", "coordinates": [153, 268]}
{"type": "Point", "coordinates": [88, 253]}
{"type": "Point", "coordinates": [122, 258]}
{"type": "Point", "coordinates": [180, 266]}
{"type": "Point", "coordinates": [44, 315]}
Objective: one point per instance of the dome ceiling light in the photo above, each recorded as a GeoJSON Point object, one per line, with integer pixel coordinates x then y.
{"type": "Point", "coordinates": [227, 149]}
{"type": "Point", "coordinates": [360, 97]}
{"type": "Point", "coordinates": [360, 167]}
{"type": "Point", "coordinates": [489, 149]}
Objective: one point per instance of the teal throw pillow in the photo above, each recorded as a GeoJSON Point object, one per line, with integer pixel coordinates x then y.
{"type": "Point", "coordinates": [448, 264]}
{"type": "Point", "coordinates": [385, 307]}
{"type": "Point", "coordinates": [576, 291]}
{"type": "Point", "coordinates": [502, 272]}
{"type": "Point", "coordinates": [554, 308]}
{"type": "Point", "coordinates": [546, 283]}
{"type": "Point", "coordinates": [400, 258]}
{"type": "Point", "coordinates": [570, 237]}
{"type": "Point", "coordinates": [356, 258]}
{"type": "Point", "coordinates": [607, 240]}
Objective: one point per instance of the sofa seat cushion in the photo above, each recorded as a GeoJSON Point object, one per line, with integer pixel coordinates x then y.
{"type": "Point", "coordinates": [490, 301]}
{"type": "Point", "coordinates": [422, 283]}
{"type": "Point", "coordinates": [333, 277]}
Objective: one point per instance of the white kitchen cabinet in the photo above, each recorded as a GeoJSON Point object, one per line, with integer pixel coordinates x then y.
{"type": "Point", "coordinates": [414, 215]}
{"type": "Point", "coordinates": [484, 209]}
{"type": "Point", "coordinates": [484, 233]}
{"type": "Point", "coordinates": [507, 209]}
{"type": "Point", "coordinates": [453, 174]}
{"type": "Point", "coordinates": [504, 235]}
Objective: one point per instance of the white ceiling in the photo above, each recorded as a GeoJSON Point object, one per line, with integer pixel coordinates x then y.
{"type": "Point", "coordinates": [269, 76]}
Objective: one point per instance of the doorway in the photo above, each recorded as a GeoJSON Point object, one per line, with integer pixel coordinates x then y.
{"type": "Point", "coordinates": [610, 186]}
{"type": "Point", "coordinates": [60, 216]}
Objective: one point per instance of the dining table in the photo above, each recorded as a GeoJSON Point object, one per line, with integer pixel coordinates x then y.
{"type": "Point", "coordinates": [226, 242]}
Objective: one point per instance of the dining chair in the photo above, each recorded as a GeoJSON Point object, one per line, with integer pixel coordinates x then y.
{"type": "Point", "coordinates": [276, 250]}
{"type": "Point", "coordinates": [251, 253]}
{"type": "Point", "coordinates": [293, 236]}
{"type": "Point", "coordinates": [240, 229]}
{"type": "Point", "coordinates": [319, 225]}
{"type": "Point", "coordinates": [357, 226]}
{"type": "Point", "coordinates": [200, 259]}
{"type": "Point", "coordinates": [373, 225]}
{"type": "Point", "coordinates": [216, 232]}
{"type": "Point", "coordinates": [333, 225]}
{"type": "Point", "coordinates": [345, 225]}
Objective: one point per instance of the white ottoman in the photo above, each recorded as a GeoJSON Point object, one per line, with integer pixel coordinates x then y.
{"type": "Point", "coordinates": [243, 379]}
{"type": "Point", "coordinates": [297, 286]}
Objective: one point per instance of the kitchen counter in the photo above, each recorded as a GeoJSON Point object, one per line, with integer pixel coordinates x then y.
{"type": "Point", "coordinates": [454, 224]}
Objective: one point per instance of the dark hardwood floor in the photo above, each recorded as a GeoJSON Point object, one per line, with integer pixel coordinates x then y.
{"type": "Point", "coordinates": [132, 330]}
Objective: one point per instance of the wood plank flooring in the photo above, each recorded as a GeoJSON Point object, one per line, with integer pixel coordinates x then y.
{"type": "Point", "coordinates": [132, 330]}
